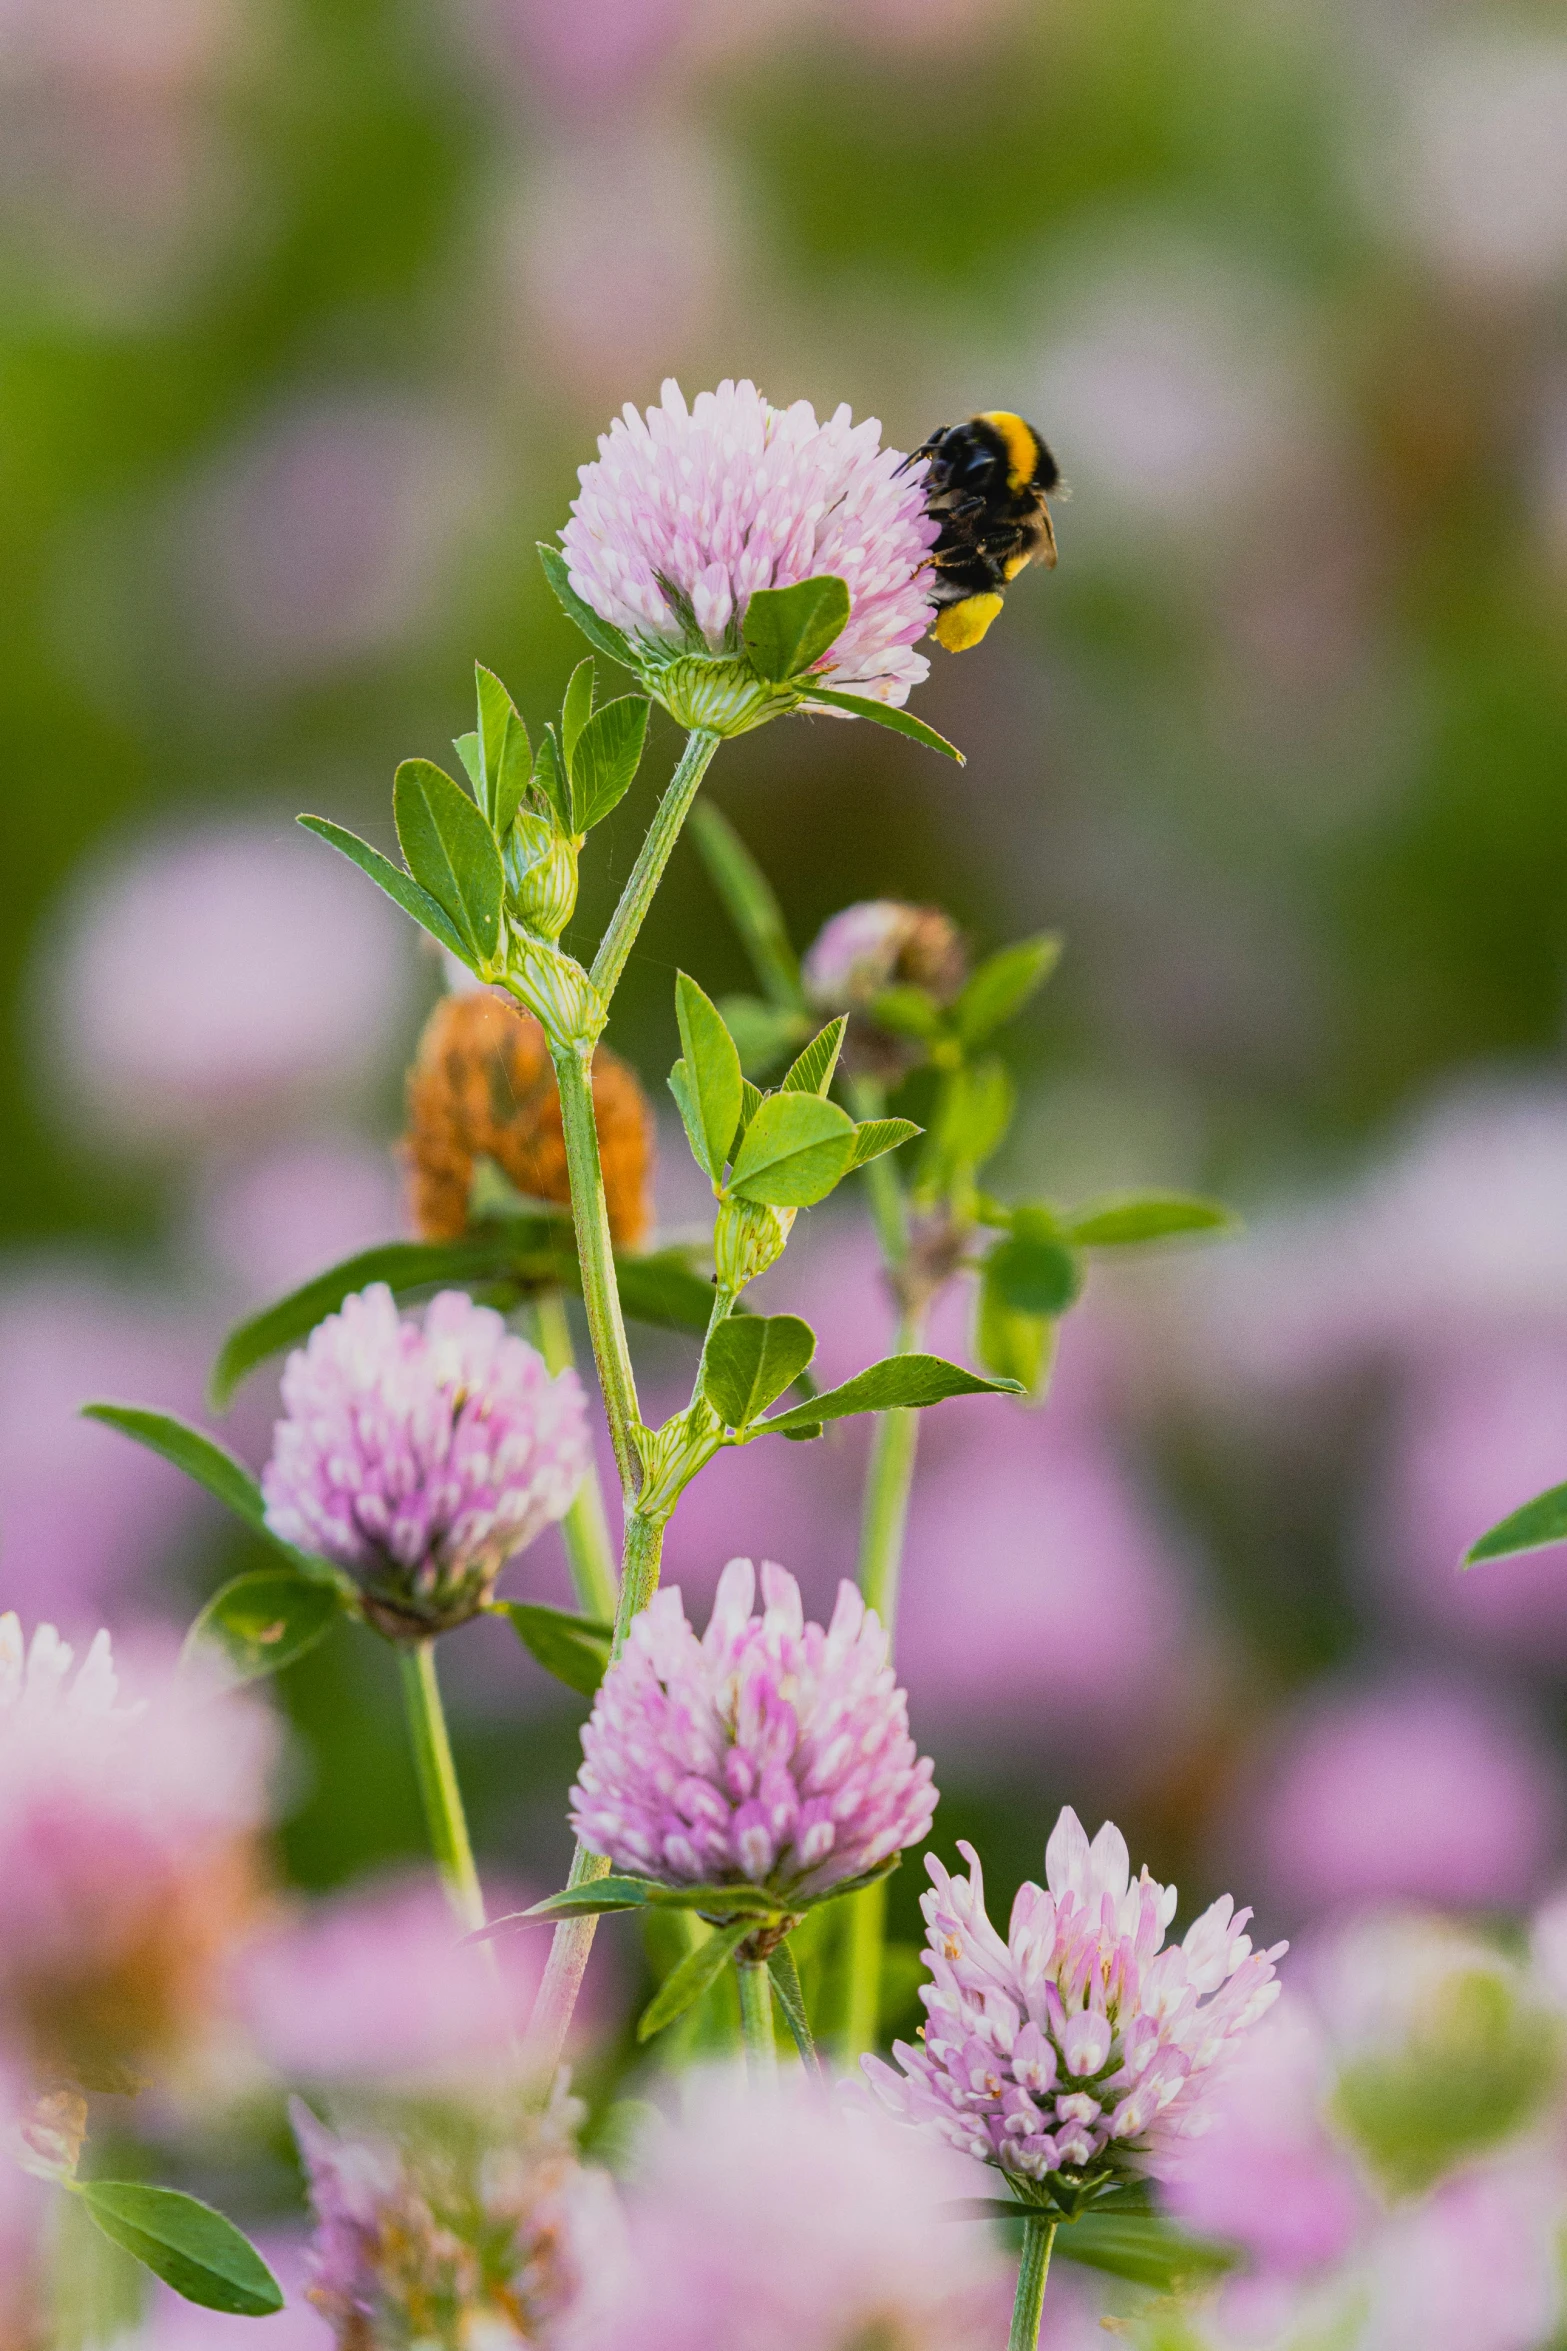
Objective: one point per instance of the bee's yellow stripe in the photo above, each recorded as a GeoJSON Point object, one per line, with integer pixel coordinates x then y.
{"type": "Point", "coordinates": [1022, 444]}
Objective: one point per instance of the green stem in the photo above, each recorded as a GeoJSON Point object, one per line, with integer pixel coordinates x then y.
{"type": "Point", "coordinates": [756, 2019]}
{"type": "Point", "coordinates": [589, 1552]}
{"type": "Point", "coordinates": [652, 857]}
{"type": "Point", "coordinates": [596, 1255]}
{"type": "Point", "coordinates": [1039, 2237]}
{"type": "Point", "coordinates": [573, 1938]}
{"type": "Point", "coordinates": [438, 1784]}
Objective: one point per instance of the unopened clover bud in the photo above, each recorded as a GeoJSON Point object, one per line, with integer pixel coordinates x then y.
{"type": "Point", "coordinates": [748, 1237]}
{"type": "Point", "coordinates": [483, 1085]}
{"type": "Point", "coordinates": [541, 875]}
{"type": "Point", "coordinates": [877, 945]}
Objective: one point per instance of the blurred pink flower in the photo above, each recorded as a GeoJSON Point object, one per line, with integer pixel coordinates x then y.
{"type": "Point", "coordinates": [126, 1852]}
{"type": "Point", "coordinates": [768, 1750]}
{"type": "Point", "coordinates": [777, 2221]}
{"type": "Point", "coordinates": [84, 1515]}
{"type": "Point", "coordinates": [1476, 1433]}
{"type": "Point", "coordinates": [268, 1222]}
{"type": "Point", "coordinates": [1081, 2041]}
{"type": "Point", "coordinates": [1475, 172]}
{"type": "Point", "coordinates": [375, 1986]}
{"type": "Point", "coordinates": [590, 55]}
{"type": "Point", "coordinates": [1477, 2267]}
{"type": "Point", "coordinates": [1423, 1789]}
{"type": "Point", "coordinates": [330, 535]}
{"type": "Point", "coordinates": [210, 979]}
{"type": "Point", "coordinates": [1266, 2175]}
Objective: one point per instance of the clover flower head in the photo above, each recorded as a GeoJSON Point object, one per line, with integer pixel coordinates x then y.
{"type": "Point", "coordinates": [1081, 2044]}
{"type": "Point", "coordinates": [688, 511]}
{"type": "Point", "coordinates": [421, 1456]}
{"type": "Point", "coordinates": [768, 1751]}
{"type": "Point", "coordinates": [127, 1857]}
{"type": "Point", "coordinates": [776, 2220]}
{"type": "Point", "coordinates": [878, 944]}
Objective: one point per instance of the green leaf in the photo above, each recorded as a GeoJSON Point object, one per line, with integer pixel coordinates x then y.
{"type": "Point", "coordinates": [1143, 2249]}
{"type": "Point", "coordinates": [600, 633]}
{"type": "Point", "coordinates": [726, 1900]}
{"type": "Point", "coordinates": [750, 1360]}
{"type": "Point", "coordinates": [593, 1900]}
{"type": "Point", "coordinates": [575, 1649]}
{"type": "Point", "coordinates": [898, 1383]}
{"type": "Point", "coordinates": [191, 1450]}
{"type": "Point", "coordinates": [1014, 1346]}
{"type": "Point", "coordinates": [576, 709]}
{"type": "Point", "coordinates": [1529, 1528]}
{"type": "Point", "coordinates": [549, 773]}
{"type": "Point", "coordinates": [873, 1136]}
{"type": "Point", "coordinates": [399, 886]}
{"type": "Point", "coordinates": [751, 906]}
{"type": "Point", "coordinates": [496, 710]}
{"type": "Point", "coordinates": [908, 1012]}
{"type": "Point", "coordinates": [516, 774]}
{"type": "Point", "coordinates": [813, 1073]}
{"type": "Point", "coordinates": [1002, 986]}
{"type": "Point", "coordinates": [972, 1116]}
{"type": "Point", "coordinates": [263, 1621]}
{"type": "Point", "coordinates": [796, 1148]}
{"type": "Point", "coordinates": [664, 1289]}
{"type": "Point", "coordinates": [713, 1079]}
{"type": "Point", "coordinates": [791, 1999]}
{"type": "Point", "coordinates": [1033, 1274]}
{"type": "Point", "coordinates": [786, 629]}
{"type": "Point", "coordinates": [607, 756]}
{"type": "Point", "coordinates": [685, 1984]}
{"type": "Point", "coordinates": [470, 751]}
{"type": "Point", "coordinates": [883, 715]}
{"type": "Point", "coordinates": [451, 852]}
{"type": "Point", "coordinates": [751, 1099]}
{"type": "Point", "coordinates": [540, 1248]}
{"type": "Point", "coordinates": [186, 2244]}
{"type": "Point", "coordinates": [1149, 1216]}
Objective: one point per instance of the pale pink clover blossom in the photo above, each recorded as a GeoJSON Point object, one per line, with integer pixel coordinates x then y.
{"type": "Point", "coordinates": [768, 1751]}
{"type": "Point", "coordinates": [421, 1457]}
{"type": "Point", "coordinates": [704, 505]}
{"type": "Point", "coordinates": [1079, 2044]}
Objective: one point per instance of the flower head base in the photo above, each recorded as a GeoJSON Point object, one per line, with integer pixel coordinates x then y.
{"type": "Point", "coordinates": [876, 945]}
{"type": "Point", "coordinates": [482, 1085]}
{"type": "Point", "coordinates": [770, 1751]}
{"type": "Point", "coordinates": [421, 1458]}
{"type": "Point", "coordinates": [688, 512]}
{"type": "Point", "coordinates": [1074, 2052]}
{"type": "Point", "coordinates": [467, 2234]}
{"type": "Point", "coordinates": [127, 1855]}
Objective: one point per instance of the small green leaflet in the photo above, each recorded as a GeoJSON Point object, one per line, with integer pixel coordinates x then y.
{"type": "Point", "coordinates": [1034, 1274]}
{"type": "Point", "coordinates": [471, 752]}
{"type": "Point", "coordinates": [1014, 1346]}
{"type": "Point", "coordinates": [786, 629]}
{"type": "Point", "coordinates": [791, 1999]}
{"type": "Point", "coordinates": [685, 1984]}
{"type": "Point", "coordinates": [212, 1466]}
{"type": "Point", "coordinates": [796, 1148]}
{"type": "Point", "coordinates": [507, 753]}
{"type": "Point", "coordinates": [1152, 1216]}
{"type": "Point", "coordinates": [816, 1067]}
{"type": "Point", "coordinates": [1530, 1528]}
{"type": "Point", "coordinates": [898, 1383]}
{"type": "Point", "coordinates": [575, 1649]}
{"type": "Point", "coordinates": [598, 1895]}
{"type": "Point", "coordinates": [550, 775]}
{"type": "Point", "coordinates": [186, 2244]}
{"type": "Point", "coordinates": [882, 714]}
{"type": "Point", "coordinates": [876, 1135]}
{"type": "Point", "coordinates": [451, 852]}
{"type": "Point", "coordinates": [1002, 986]}
{"type": "Point", "coordinates": [751, 906]}
{"type": "Point", "coordinates": [400, 887]}
{"type": "Point", "coordinates": [750, 1360]}
{"type": "Point", "coordinates": [712, 1085]}
{"type": "Point", "coordinates": [577, 707]}
{"type": "Point", "coordinates": [600, 633]}
{"type": "Point", "coordinates": [263, 1621]}
{"type": "Point", "coordinates": [605, 759]}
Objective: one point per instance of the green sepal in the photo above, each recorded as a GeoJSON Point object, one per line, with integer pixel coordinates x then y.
{"type": "Point", "coordinates": [1529, 1528]}
{"type": "Point", "coordinates": [400, 887]}
{"type": "Point", "coordinates": [786, 629]}
{"type": "Point", "coordinates": [685, 1984]}
{"type": "Point", "coordinates": [796, 1149]}
{"type": "Point", "coordinates": [1002, 985]}
{"type": "Point", "coordinates": [263, 1621]}
{"type": "Point", "coordinates": [900, 1383]}
{"type": "Point", "coordinates": [883, 715]}
{"type": "Point", "coordinates": [451, 852]}
{"type": "Point", "coordinates": [814, 1071]}
{"type": "Point", "coordinates": [575, 1649]}
{"type": "Point", "coordinates": [190, 2247]}
{"type": "Point", "coordinates": [600, 633]}
{"type": "Point", "coordinates": [749, 1362]}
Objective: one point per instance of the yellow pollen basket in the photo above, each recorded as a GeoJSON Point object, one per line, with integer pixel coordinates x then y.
{"type": "Point", "coordinates": [958, 626]}
{"type": "Point", "coordinates": [1022, 445]}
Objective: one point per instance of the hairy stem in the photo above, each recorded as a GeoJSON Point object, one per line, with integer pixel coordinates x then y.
{"type": "Point", "coordinates": [652, 857]}
{"type": "Point", "coordinates": [1039, 2236]}
{"type": "Point", "coordinates": [438, 1784]}
{"type": "Point", "coordinates": [589, 1553]}
{"type": "Point", "coordinates": [573, 1938]}
{"type": "Point", "coordinates": [756, 2019]}
{"type": "Point", "coordinates": [596, 1255]}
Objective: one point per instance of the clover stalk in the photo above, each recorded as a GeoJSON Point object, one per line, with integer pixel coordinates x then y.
{"type": "Point", "coordinates": [438, 1785]}
{"type": "Point", "coordinates": [1039, 2236]}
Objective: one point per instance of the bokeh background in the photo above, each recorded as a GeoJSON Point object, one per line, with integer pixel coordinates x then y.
{"type": "Point", "coordinates": [310, 310]}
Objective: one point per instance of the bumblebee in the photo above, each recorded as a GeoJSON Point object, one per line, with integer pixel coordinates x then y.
{"type": "Point", "coordinates": [986, 484]}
